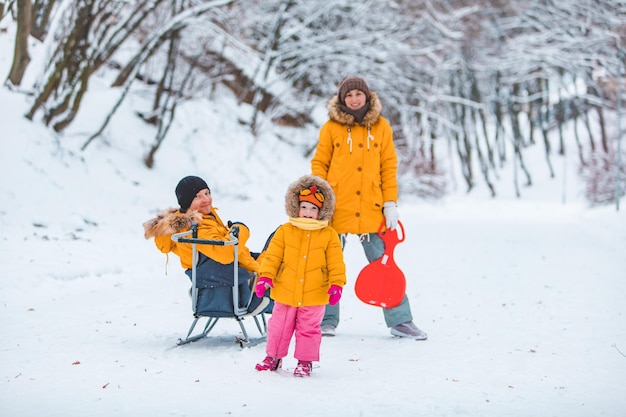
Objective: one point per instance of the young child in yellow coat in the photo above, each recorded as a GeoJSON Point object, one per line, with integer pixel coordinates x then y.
{"type": "Point", "coordinates": [303, 265]}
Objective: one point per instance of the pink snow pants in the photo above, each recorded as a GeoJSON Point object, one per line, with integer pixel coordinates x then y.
{"type": "Point", "coordinates": [304, 322]}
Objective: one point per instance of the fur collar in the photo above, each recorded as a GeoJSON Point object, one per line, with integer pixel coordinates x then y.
{"type": "Point", "coordinates": [371, 117]}
{"type": "Point", "coordinates": [292, 199]}
{"type": "Point", "coordinates": [170, 221]}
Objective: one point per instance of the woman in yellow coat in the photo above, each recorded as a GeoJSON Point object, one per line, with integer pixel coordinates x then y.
{"type": "Point", "coordinates": [303, 265]}
{"type": "Point", "coordinates": [357, 156]}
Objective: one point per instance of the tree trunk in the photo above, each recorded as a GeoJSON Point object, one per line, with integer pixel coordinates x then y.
{"type": "Point", "coordinates": [6, 7]}
{"type": "Point", "coordinates": [21, 58]}
{"type": "Point", "coordinates": [41, 13]}
{"type": "Point", "coordinates": [499, 140]}
{"type": "Point", "coordinates": [542, 120]}
{"type": "Point", "coordinates": [518, 138]}
{"type": "Point", "coordinates": [604, 138]}
{"type": "Point", "coordinates": [70, 70]}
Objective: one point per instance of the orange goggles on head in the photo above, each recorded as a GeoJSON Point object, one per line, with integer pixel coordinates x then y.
{"type": "Point", "coordinates": [312, 195]}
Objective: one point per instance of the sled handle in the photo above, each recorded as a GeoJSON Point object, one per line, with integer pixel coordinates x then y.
{"type": "Point", "coordinates": [397, 239]}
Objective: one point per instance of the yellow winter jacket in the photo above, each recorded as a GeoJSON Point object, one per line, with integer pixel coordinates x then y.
{"type": "Point", "coordinates": [210, 226]}
{"type": "Point", "coordinates": [360, 163]}
{"type": "Point", "coordinates": [303, 259]}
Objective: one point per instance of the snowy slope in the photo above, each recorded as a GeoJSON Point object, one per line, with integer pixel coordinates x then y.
{"type": "Point", "coordinates": [523, 300]}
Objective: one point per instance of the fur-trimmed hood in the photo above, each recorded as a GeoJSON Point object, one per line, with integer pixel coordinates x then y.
{"type": "Point", "coordinates": [292, 199]}
{"type": "Point", "coordinates": [335, 113]}
{"type": "Point", "coordinates": [170, 221]}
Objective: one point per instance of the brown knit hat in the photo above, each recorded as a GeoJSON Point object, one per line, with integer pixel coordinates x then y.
{"type": "Point", "coordinates": [350, 83]}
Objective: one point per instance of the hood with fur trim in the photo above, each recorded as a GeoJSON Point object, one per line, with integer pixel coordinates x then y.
{"type": "Point", "coordinates": [292, 199]}
{"type": "Point", "coordinates": [335, 113]}
{"type": "Point", "coordinates": [170, 221]}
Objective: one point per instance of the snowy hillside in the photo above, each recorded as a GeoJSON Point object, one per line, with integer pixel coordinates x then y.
{"type": "Point", "coordinates": [524, 300]}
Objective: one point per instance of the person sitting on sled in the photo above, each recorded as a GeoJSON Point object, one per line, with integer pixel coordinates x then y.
{"type": "Point", "coordinates": [303, 265]}
{"type": "Point", "coordinates": [356, 155]}
{"type": "Point", "coordinates": [214, 266]}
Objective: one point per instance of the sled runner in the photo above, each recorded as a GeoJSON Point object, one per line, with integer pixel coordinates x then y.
{"type": "Point", "coordinates": [221, 291]}
{"type": "Point", "coordinates": [381, 283]}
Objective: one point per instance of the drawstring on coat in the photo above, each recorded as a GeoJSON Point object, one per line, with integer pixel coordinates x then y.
{"type": "Point", "coordinates": [369, 137]}
{"type": "Point", "coordinates": [349, 140]}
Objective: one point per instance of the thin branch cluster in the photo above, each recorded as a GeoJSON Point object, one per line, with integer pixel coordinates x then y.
{"type": "Point", "coordinates": [468, 88]}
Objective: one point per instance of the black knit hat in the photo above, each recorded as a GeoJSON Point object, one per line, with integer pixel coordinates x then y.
{"type": "Point", "coordinates": [350, 83]}
{"type": "Point", "coordinates": [187, 189]}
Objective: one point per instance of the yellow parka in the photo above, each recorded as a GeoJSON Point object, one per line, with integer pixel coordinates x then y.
{"type": "Point", "coordinates": [210, 226]}
{"type": "Point", "coordinates": [360, 163]}
{"type": "Point", "coordinates": [304, 257]}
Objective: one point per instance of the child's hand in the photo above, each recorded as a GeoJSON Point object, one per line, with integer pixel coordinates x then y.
{"type": "Point", "coordinates": [335, 294]}
{"type": "Point", "coordinates": [261, 285]}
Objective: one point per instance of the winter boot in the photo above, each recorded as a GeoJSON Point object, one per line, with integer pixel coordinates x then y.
{"type": "Point", "coordinates": [303, 369]}
{"type": "Point", "coordinates": [327, 330]}
{"type": "Point", "coordinates": [409, 330]}
{"type": "Point", "coordinates": [269, 364]}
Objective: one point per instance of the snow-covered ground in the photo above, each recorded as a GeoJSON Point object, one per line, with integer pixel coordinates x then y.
{"type": "Point", "coordinates": [524, 300]}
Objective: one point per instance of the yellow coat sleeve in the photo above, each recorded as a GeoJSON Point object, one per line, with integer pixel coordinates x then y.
{"type": "Point", "coordinates": [323, 154]}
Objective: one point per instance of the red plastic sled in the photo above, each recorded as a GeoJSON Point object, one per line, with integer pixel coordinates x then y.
{"type": "Point", "coordinates": [381, 283]}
